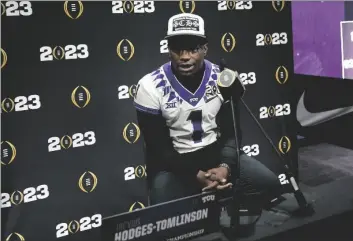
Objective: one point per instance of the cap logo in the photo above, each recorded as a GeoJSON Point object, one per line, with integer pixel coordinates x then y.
{"type": "Point", "coordinates": [186, 23]}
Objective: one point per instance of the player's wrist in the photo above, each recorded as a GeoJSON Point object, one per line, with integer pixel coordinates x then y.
{"type": "Point", "coordinates": [226, 166]}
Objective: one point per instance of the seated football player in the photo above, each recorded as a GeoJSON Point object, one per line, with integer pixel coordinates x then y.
{"type": "Point", "coordinates": [187, 126]}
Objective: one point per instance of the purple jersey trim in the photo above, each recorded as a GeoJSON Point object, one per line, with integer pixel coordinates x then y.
{"type": "Point", "coordinates": [147, 109]}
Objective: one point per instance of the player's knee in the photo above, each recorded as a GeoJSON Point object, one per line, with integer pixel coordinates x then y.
{"type": "Point", "coordinates": [270, 179]}
{"type": "Point", "coordinates": [259, 179]}
{"type": "Point", "coordinates": [163, 180]}
{"type": "Point", "coordinates": [229, 154]}
{"type": "Point", "coordinates": [259, 172]}
{"type": "Point", "coordinates": [165, 187]}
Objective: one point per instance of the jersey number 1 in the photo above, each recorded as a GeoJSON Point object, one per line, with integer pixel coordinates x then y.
{"type": "Point", "coordinates": [196, 119]}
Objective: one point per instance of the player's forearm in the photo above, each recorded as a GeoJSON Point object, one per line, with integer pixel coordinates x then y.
{"type": "Point", "coordinates": [158, 143]}
{"type": "Point", "coordinates": [229, 153]}
{"type": "Point", "coordinates": [227, 140]}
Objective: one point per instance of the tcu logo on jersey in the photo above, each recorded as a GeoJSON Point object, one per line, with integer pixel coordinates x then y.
{"type": "Point", "coordinates": [208, 198]}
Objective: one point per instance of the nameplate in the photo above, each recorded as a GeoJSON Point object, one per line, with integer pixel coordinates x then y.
{"type": "Point", "coordinates": [181, 219]}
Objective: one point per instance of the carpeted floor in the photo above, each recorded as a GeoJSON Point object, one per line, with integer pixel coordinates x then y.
{"type": "Point", "coordinates": [324, 163]}
{"type": "Point", "coordinates": [334, 228]}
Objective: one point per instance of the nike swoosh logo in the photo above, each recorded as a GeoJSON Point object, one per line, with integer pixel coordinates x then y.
{"type": "Point", "coordinates": [306, 118]}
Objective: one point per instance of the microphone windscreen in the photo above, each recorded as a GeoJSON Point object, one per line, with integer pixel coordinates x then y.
{"type": "Point", "coordinates": [227, 78]}
{"type": "Point", "coordinates": [229, 84]}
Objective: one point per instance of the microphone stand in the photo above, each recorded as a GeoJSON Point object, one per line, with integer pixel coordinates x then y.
{"type": "Point", "coordinates": [305, 209]}
{"type": "Point", "coordinates": [235, 214]}
{"type": "Point", "coordinates": [235, 207]}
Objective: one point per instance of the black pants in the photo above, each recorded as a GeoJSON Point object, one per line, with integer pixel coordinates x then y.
{"type": "Point", "coordinates": [258, 185]}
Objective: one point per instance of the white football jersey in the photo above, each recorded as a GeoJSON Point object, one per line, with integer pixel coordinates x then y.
{"type": "Point", "coordinates": [191, 117]}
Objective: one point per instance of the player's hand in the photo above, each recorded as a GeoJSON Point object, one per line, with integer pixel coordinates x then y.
{"type": "Point", "coordinates": [218, 177]}
{"type": "Point", "coordinates": [206, 182]}
{"type": "Point", "coordinates": [203, 180]}
{"type": "Point", "coordinates": [219, 174]}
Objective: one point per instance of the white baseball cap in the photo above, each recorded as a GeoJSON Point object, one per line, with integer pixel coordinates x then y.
{"type": "Point", "coordinates": [186, 24]}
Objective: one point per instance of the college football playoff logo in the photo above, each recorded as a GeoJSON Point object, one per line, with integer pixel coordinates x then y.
{"type": "Point", "coordinates": [16, 197]}
{"type": "Point", "coordinates": [8, 153]}
{"type": "Point", "coordinates": [88, 182]}
{"type": "Point", "coordinates": [228, 42]}
{"type": "Point", "coordinates": [128, 6]}
{"type": "Point", "coordinates": [284, 145]}
{"type": "Point", "coordinates": [281, 75]}
{"type": "Point", "coordinates": [15, 237]}
{"type": "Point", "coordinates": [271, 111]}
{"type": "Point", "coordinates": [66, 142]}
{"type": "Point", "coordinates": [74, 226]}
{"type": "Point", "coordinates": [125, 49]}
{"type": "Point", "coordinates": [73, 9]}
{"type": "Point", "coordinates": [140, 171]}
{"type": "Point", "coordinates": [136, 206]}
{"type": "Point", "coordinates": [131, 133]}
{"type": "Point", "coordinates": [187, 6]}
{"type": "Point", "coordinates": [3, 57]}
{"type": "Point", "coordinates": [80, 96]}
{"type": "Point", "coordinates": [2, 9]}
{"type": "Point", "coordinates": [268, 39]}
{"type": "Point", "coordinates": [58, 52]}
{"type": "Point", "coordinates": [7, 105]}
{"type": "Point", "coordinates": [278, 5]}
{"type": "Point", "coordinates": [230, 5]}
{"type": "Point", "coordinates": [133, 90]}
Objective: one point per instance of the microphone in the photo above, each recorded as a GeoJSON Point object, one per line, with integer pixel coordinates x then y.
{"type": "Point", "coordinates": [229, 84]}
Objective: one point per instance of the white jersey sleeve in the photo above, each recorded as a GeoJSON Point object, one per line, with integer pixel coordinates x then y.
{"type": "Point", "coordinates": [147, 98]}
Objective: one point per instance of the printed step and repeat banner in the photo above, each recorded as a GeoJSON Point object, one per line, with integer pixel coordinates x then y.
{"type": "Point", "coordinates": [71, 149]}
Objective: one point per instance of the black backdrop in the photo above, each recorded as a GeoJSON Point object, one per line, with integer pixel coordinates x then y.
{"type": "Point", "coordinates": [71, 149]}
